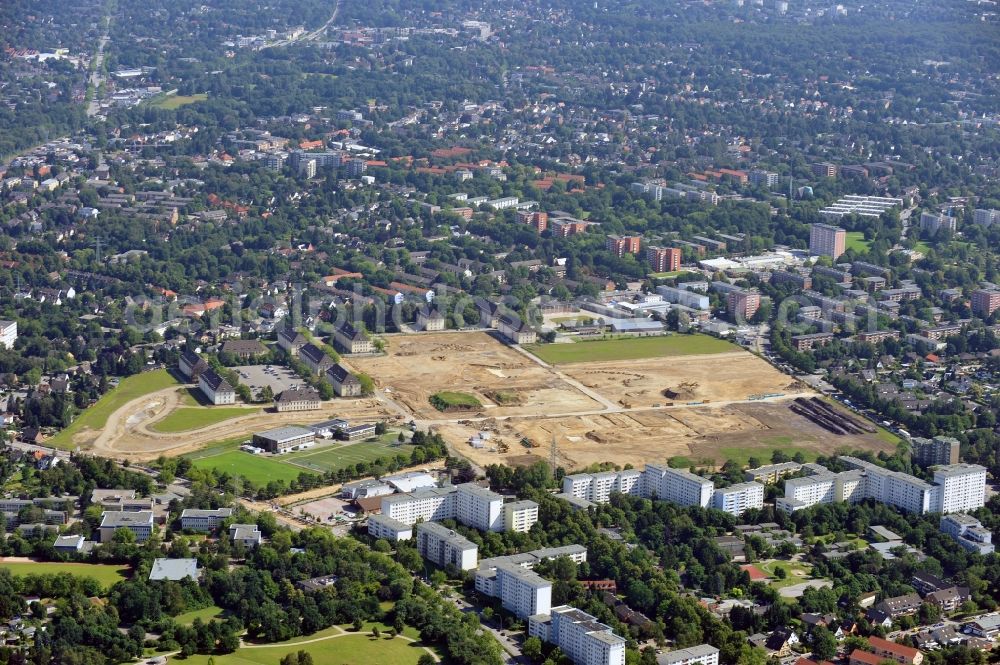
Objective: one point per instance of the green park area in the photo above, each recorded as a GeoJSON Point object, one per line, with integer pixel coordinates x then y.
{"type": "Point", "coordinates": [629, 348]}
{"type": "Point", "coordinates": [669, 275]}
{"type": "Point", "coordinates": [96, 416]}
{"type": "Point", "coordinates": [205, 614]}
{"type": "Point", "coordinates": [794, 573]}
{"type": "Point", "coordinates": [856, 241]}
{"type": "Point", "coordinates": [105, 574]}
{"type": "Point", "coordinates": [188, 418]}
{"type": "Point", "coordinates": [333, 646]}
{"type": "Point", "coordinates": [172, 102]}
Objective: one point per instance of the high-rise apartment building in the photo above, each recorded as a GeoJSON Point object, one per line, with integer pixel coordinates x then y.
{"type": "Point", "coordinates": [622, 245]}
{"type": "Point", "coordinates": [985, 302]}
{"type": "Point", "coordinates": [664, 259]}
{"type": "Point", "coordinates": [827, 240]}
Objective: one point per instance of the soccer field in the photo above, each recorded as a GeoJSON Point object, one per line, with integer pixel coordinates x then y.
{"type": "Point", "coordinates": [96, 417]}
{"type": "Point", "coordinates": [342, 456]}
{"type": "Point", "coordinates": [258, 469]}
{"type": "Point", "coordinates": [633, 348]}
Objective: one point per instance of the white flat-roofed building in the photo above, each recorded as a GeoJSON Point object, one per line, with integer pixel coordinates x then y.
{"type": "Point", "coordinates": [443, 547]}
{"type": "Point", "coordinates": [963, 487]}
{"type": "Point", "coordinates": [8, 334]}
{"type": "Point", "coordinates": [863, 206]}
{"type": "Point", "coordinates": [427, 504]}
{"type": "Point", "coordinates": [140, 523]}
{"type": "Point", "coordinates": [410, 481]}
{"type": "Point", "coordinates": [676, 486]}
{"type": "Point", "coordinates": [382, 526]}
{"type": "Point", "coordinates": [771, 473]}
{"type": "Point", "coordinates": [365, 489]}
{"type": "Point", "coordinates": [968, 532]}
{"type": "Point", "coordinates": [736, 499]}
{"type": "Point", "coordinates": [204, 520]}
{"type": "Point", "coordinates": [479, 508]}
{"type": "Point", "coordinates": [579, 635]}
{"type": "Point", "coordinates": [174, 570]}
{"type": "Point", "coordinates": [247, 534]}
{"type": "Point", "coordinates": [598, 487]}
{"type": "Point", "coordinates": [702, 654]}
{"type": "Point", "coordinates": [520, 516]}
{"type": "Point", "coordinates": [575, 553]}
{"type": "Point", "coordinates": [956, 488]}
{"type": "Point", "coordinates": [520, 591]}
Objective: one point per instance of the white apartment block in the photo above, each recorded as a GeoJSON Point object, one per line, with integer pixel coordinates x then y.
{"type": "Point", "coordinates": [661, 482]}
{"type": "Point", "coordinates": [443, 547]}
{"type": "Point", "coordinates": [676, 486]}
{"type": "Point", "coordinates": [963, 487]}
{"type": "Point", "coordinates": [520, 516]}
{"type": "Point", "coordinates": [382, 526]}
{"type": "Point", "coordinates": [8, 334]}
{"type": "Point", "coordinates": [468, 503]}
{"type": "Point", "coordinates": [479, 508]}
{"type": "Point", "coordinates": [956, 488]}
{"type": "Point", "coordinates": [737, 499]}
{"type": "Point", "coordinates": [520, 591]}
{"type": "Point", "coordinates": [580, 636]}
{"type": "Point", "coordinates": [430, 504]}
{"type": "Point", "coordinates": [703, 654]}
{"type": "Point", "coordinates": [985, 217]}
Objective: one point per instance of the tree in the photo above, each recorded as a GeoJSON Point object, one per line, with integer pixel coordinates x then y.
{"type": "Point", "coordinates": [824, 644]}
{"type": "Point", "coordinates": [532, 648]}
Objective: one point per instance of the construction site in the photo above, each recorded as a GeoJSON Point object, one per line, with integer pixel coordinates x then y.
{"type": "Point", "coordinates": [706, 407]}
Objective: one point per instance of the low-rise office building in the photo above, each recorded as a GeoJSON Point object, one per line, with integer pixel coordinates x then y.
{"type": "Point", "coordinates": [204, 520]}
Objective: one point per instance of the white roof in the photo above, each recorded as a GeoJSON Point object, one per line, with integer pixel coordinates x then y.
{"type": "Point", "coordinates": [407, 482]}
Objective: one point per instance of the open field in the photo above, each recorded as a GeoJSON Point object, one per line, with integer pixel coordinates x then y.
{"type": "Point", "coordinates": [333, 646]}
{"type": "Point", "coordinates": [638, 383]}
{"type": "Point", "coordinates": [105, 574]}
{"type": "Point", "coordinates": [172, 102]}
{"type": "Point", "coordinates": [639, 436]}
{"type": "Point", "coordinates": [418, 366]}
{"type": "Point", "coordinates": [189, 418]}
{"type": "Point", "coordinates": [668, 275]}
{"type": "Point", "coordinates": [629, 348]}
{"type": "Point", "coordinates": [95, 417]}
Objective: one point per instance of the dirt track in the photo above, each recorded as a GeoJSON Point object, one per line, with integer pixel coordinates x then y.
{"type": "Point", "coordinates": [128, 431]}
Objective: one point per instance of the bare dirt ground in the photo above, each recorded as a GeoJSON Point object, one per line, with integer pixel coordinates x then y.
{"type": "Point", "coordinates": [416, 367]}
{"type": "Point", "coordinates": [721, 376]}
{"type": "Point", "coordinates": [129, 433]}
{"type": "Point", "coordinates": [654, 435]}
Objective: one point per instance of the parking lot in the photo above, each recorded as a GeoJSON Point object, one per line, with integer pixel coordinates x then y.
{"type": "Point", "coordinates": [258, 376]}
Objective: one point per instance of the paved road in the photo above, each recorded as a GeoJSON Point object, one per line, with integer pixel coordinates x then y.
{"type": "Point", "coordinates": [96, 74]}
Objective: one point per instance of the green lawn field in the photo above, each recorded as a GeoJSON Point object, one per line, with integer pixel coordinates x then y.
{"type": "Point", "coordinates": [447, 399]}
{"type": "Point", "coordinates": [632, 348]}
{"type": "Point", "coordinates": [171, 102]}
{"type": "Point", "coordinates": [341, 456]}
{"type": "Point", "coordinates": [763, 452]}
{"type": "Point", "coordinates": [856, 241]}
{"type": "Point", "coordinates": [205, 614]}
{"type": "Point", "coordinates": [668, 275]}
{"type": "Point", "coordinates": [337, 649]}
{"type": "Point", "coordinates": [105, 574]}
{"type": "Point", "coordinates": [258, 469]}
{"type": "Point", "coordinates": [96, 416]}
{"type": "Point", "coordinates": [188, 418]}
{"type": "Point", "coordinates": [797, 573]}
